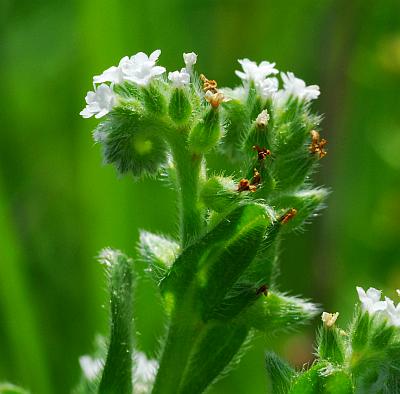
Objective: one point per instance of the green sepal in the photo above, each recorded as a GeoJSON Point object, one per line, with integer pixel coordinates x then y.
{"type": "Point", "coordinates": [179, 106]}
{"type": "Point", "coordinates": [158, 252]}
{"type": "Point", "coordinates": [132, 142]}
{"type": "Point", "coordinates": [360, 331]}
{"type": "Point", "coordinates": [117, 373]}
{"type": "Point", "coordinates": [206, 133]}
{"type": "Point", "coordinates": [236, 127]}
{"type": "Point", "coordinates": [331, 346]}
{"type": "Point", "coordinates": [154, 98]}
{"type": "Point", "coordinates": [307, 204]}
{"type": "Point", "coordinates": [337, 382]}
{"type": "Point", "coordinates": [8, 388]}
{"type": "Point", "coordinates": [279, 313]}
{"type": "Point", "coordinates": [280, 374]}
{"type": "Point", "coordinates": [290, 171]}
{"type": "Point", "coordinates": [220, 193]}
{"type": "Point", "coordinates": [308, 382]}
{"type": "Point", "coordinates": [128, 91]}
{"type": "Point", "coordinates": [223, 343]}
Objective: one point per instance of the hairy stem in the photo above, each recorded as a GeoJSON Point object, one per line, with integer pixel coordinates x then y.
{"type": "Point", "coordinates": [188, 168]}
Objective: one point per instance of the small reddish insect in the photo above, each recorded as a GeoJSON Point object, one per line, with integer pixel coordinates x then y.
{"type": "Point", "coordinates": [245, 185]}
{"type": "Point", "coordinates": [288, 215]}
{"type": "Point", "coordinates": [256, 178]}
{"type": "Point", "coordinates": [262, 152]}
{"type": "Point", "coordinates": [262, 290]}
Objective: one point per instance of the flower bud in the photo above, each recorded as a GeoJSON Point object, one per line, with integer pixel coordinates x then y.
{"type": "Point", "coordinates": [179, 106]}
{"type": "Point", "coordinates": [205, 134]}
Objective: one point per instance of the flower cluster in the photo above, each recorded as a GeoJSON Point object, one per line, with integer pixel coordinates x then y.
{"type": "Point", "coordinates": [371, 303]}
{"type": "Point", "coordinates": [268, 86]}
{"type": "Point", "coordinates": [140, 69]}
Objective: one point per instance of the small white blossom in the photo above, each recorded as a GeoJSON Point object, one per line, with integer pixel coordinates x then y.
{"type": "Point", "coordinates": [329, 319]}
{"type": "Point", "coordinates": [144, 373]}
{"type": "Point", "coordinates": [393, 312]}
{"type": "Point", "coordinates": [179, 78]}
{"type": "Point", "coordinates": [190, 59]}
{"type": "Point", "coordinates": [100, 102]}
{"type": "Point", "coordinates": [296, 87]}
{"type": "Point", "coordinates": [91, 367]}
{"type": "Point", "coordinates": [267, 87]}
{"type": "Point", "coordinates": [140, 68]}
{"type": "Point", "coordinates": [371, 300]}
{"type": "Point", "coordinates": [113, 74]}
{"type": "Point", "coordinates": [262, 118]}
{"type": "Point", "coordinates": [253, 72]}
{"type": "Point", "coordinates": [238, 93]}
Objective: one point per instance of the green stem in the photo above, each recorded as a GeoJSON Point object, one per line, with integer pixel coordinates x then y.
{"type": "Point", "coordinates": [188, 169]}
{"type": "Point", "coordinates": [183, 331]}
{"type": "Point", "coordinates": [184, 326]}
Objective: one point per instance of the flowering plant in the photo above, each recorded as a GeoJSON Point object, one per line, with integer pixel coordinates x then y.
{"type": "Point", "coordinates": [217, 281]}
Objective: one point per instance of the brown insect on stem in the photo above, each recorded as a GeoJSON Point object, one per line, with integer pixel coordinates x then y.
{"type": "Point", "coordinates": [262, 290]}
{"type": "Point", "coordinates": [289, 215]}
{"type": "Point", "coordinates": [261, 152]}
{"type": "Point", "coordinates": [245, 185]}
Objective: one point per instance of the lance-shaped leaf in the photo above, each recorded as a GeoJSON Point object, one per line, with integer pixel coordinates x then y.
{"type": "Point", "coordinates": [280, 374]}
{"type": "Point", "coordinates": [227, 261]}
{"type": "Point", "coordinates": [277, 312]}
{"type": "Point", "coordinates": [307, 204]}
{"type": "Point", "coordinates": [223, 343]}
{"type": "Point", "coordinates": [158, 252]}
{"type": "Point", "coordinates": [117, 373]}
{"type": "Point", "coordinates": [182, 273]}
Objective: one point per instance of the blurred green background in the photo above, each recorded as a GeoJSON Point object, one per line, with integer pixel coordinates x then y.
{"type": "Point", "coordinates": [59, 205]}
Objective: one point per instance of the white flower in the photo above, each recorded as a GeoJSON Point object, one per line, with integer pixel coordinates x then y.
{"type": "Point", "coordinates": [371, 300]}
{"type": "Point", "coordinates": [393, 312]}
{"type": "Point", "coordinates": [100, 102]}
{"type": "Point", "coordinates": [296, 87]}
{"type": "Point", "coordinates": [140, 68]}
{"type": "Point", "coordinates": [144, 372]}
{"type": "Point", "coordinates": [238, 93]}
{"type": "Point", "coordinates": [179, 78]}
{"type": "Point", "coordinates": [267, 87]}
{"type": "Point", "coordinates": [329, 319]}
{"type": "Point", "coordinates": [91, 367]}
{"type": "Point", "coordinates": [113, 74]}
{"type": "Point", "coordinates": [253, 72]}
{"type": "Point", "coordinates": [189, 59]}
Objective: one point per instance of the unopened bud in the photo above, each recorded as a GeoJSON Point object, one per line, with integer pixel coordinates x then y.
{"type": "Point", "coordinates": [262, 119]}
{"type": "Point", "coordinates": [329, 319]}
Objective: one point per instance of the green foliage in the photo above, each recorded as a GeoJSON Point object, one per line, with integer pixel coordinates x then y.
{"type": "Point", "coordinates": [8, 388]}
{"type": "Point", "coordinates": [117, 372]}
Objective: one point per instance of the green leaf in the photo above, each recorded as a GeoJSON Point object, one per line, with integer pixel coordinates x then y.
{"type": "Point", "coordinates": [278, 312]}
{"type": "Point", "coordinates": [280, 374]}
{"type": "Point", "coordinates": [338, 382]}
{"type": "Point", "coordinates": [214, 350]}
{"type": "Point", "coordinates": [158, 252]}
{"type": "Point", "coordinates": [117, 373]}
{"type": "Point", "coordinates": [308, 382]}
{"type": "Point", "coordinates": [307, 204]}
